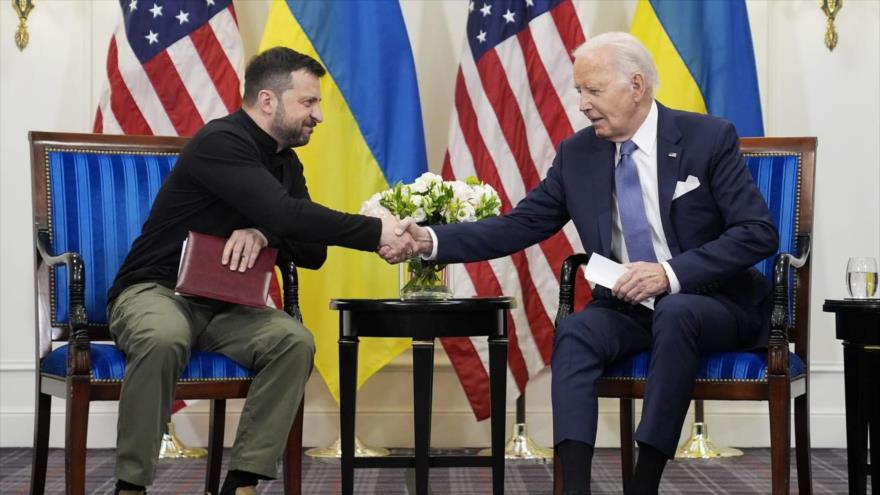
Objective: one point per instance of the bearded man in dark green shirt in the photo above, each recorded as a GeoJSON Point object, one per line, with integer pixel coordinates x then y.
{"type": "Point", "coordinates": [237, 178]}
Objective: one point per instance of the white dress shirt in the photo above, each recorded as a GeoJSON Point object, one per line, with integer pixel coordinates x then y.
{"type": "Point", "coordinates": [645, 158]}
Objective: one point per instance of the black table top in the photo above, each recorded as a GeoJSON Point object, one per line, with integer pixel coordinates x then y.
{"type": "Point", "coordinates": [422, 305]}
{"type": "Point", "coordinates": [835, 305]}
{"type": "Point", "coordinates": [423, 319]}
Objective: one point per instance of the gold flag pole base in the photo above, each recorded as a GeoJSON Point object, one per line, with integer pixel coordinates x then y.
{"type": "Point", "coordinates": [700, 446]}
{"type": "Point", "coordinates": [522, 447]}
{"type": "Point", "coordinates": [334, 451]}
{"type": "Point", "coordinates": [172, 448]}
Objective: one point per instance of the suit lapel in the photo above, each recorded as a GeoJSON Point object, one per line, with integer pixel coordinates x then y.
{"type": "Point", "coordinates": [669, 156]}
{"type": "Point", "coordinates": [600, 163]}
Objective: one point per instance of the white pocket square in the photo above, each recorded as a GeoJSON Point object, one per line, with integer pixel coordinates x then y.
{"type": "Point", "coordinates": [686, 186]}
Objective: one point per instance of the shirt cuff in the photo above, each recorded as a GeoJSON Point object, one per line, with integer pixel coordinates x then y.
{"type": "Point", "coordinates": [433, 254]}
{"type": "Point", "coordinates": [271, 240]}
{"type": "Point", "coordinates": [674, 285]}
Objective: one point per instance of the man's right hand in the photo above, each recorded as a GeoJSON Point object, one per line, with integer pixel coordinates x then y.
{"type": "Point", "coordinates": [418, 241]}
{"type": "Point", "coordinates": [242, 249]}
{"type": "Point", "coordinates": [395, 243]}
{"type": "Point", "coordinates": [423, 243]}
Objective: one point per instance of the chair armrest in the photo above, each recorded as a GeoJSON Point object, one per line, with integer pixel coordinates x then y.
{"type": "Point", "coordinates": [291, 290]}
{"type": "Point", "coordinates": [777, 352]}
{"type": "Point", "coordinates": [78, 355]}
{"type": "Point", "coordinates": [566, 284]}
{"type": "Point", "coordinates": [804, 241]}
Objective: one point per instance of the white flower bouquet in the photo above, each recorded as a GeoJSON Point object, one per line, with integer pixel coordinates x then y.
{"type": "Point", "coordinates": [430, 200]}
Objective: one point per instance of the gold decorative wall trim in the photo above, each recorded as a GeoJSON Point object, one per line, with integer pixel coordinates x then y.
{"type": "Point", "coordinates": [23, 8]}
{"type": "Point", "coordinates": [830, 8]}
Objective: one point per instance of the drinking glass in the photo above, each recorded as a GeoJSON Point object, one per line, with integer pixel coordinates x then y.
{"type": "Point", "coordinates": [861, 277]}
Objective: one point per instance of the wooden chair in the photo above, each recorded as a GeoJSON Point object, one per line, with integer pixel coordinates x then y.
{"type": "Point", "coordinates": [784, 170]}
{"type": "Point", "coordinates": [91, 195]}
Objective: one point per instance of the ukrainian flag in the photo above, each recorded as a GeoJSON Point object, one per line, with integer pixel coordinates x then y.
{"type": "Point", "coordinates": [372, 137]}
{"type": "Point", "coordinates": [704, 55]}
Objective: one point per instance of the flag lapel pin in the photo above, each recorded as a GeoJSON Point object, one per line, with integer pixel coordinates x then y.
{"type": "Point", "coordinates": [672, 155]}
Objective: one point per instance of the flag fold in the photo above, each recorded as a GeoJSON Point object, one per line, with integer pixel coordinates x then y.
{"type": "Point", "coordinates": [371, 137]}
{"type": "Point", "coordinates": [514, 102]}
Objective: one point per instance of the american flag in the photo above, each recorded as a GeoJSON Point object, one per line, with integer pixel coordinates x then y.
{"type": "Point", "coordinates": [172, 66]}
{"type": "Point", "coordinates": [514, 102]}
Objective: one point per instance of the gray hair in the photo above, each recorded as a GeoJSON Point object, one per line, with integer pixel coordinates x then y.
{"type": "Point", "coordinates": [629, 55]}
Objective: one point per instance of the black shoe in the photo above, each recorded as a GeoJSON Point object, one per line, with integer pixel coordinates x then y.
{"type": "Point", "coordinates": [126, 488]}
{"type": "Point", "coordinates": [239, 479]}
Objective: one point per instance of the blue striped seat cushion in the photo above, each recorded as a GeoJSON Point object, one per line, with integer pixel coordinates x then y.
{"type": "Point", "coordinates": [720, 366]}
{"type": "Point", "coordinates": [108, 364]}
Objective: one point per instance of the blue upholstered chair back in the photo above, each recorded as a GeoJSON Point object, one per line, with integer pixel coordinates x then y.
{"type": "Point", "coordinates": [777, 176]}
{"type": "Point", "coordinates": [96, 203]}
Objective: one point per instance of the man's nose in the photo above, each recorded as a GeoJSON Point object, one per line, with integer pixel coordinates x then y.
{"type": "Point", "coordinates": [317, 115]}
{"type": "Point", "coordinates": [586, 102]}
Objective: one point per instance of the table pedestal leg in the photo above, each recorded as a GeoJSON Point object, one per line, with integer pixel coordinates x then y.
{"type": "Point", "coordinates": [498, 386]}
{"type": "Point", "coordinates": [423, 381]}
{"type": "Point", "coordinates": [348, 354]}
{"type": "Point", "coordinates": [856, 419]}
{"type": "Point", "coordinates": [873, 364]}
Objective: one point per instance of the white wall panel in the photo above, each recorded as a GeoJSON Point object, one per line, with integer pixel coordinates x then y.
{"type": "Point", "coordinates": [45, 87]}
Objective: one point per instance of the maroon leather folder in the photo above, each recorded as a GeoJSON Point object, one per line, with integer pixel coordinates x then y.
{"type": "Point", "coordinates": [202, 274]}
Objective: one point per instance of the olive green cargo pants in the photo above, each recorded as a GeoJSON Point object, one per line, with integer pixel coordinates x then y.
{"type": "Point", "coordinates": [156, 329]}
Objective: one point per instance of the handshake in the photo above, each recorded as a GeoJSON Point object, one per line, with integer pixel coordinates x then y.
{"type": "Point", "coordinates": [403, 239]}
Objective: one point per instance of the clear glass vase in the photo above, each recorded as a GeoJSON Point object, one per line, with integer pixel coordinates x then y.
{"type": "Point", "coordinates": [420, 279]}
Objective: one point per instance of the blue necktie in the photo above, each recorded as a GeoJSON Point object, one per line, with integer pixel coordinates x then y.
{"type": "Point", "coordinates": [636, 230]}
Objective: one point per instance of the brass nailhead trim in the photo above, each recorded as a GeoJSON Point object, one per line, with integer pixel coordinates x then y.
{"type": "Point", "coordinates": [189, 380]}
{"type": "Point", "coordinates": [705, 380]}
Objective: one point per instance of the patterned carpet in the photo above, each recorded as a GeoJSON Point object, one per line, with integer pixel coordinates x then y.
{"type": "Point", "coordinates": [749, 474]}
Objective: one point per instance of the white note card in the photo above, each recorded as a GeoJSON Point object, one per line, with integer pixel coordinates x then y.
{"type": "Point", "coordinates": [605, 272]}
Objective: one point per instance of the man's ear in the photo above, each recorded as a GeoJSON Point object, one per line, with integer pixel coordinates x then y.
{"type": "Point", "coordinates": [266, 102]}
{"type": "Point", "coordinates": [638, 86]}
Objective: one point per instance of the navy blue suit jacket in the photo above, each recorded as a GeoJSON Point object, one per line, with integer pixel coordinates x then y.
{"type": "Point", "coordinates": [715, 232]}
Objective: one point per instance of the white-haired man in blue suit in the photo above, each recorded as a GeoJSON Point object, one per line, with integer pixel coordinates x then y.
{"type": "Point", "coordinates": [667, 193]}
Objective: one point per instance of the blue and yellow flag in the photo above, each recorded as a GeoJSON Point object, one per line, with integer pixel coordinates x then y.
{"type": "Point", "coordinates": [372, 137]}
{"type": "Point", "coordinates": [704, 55]}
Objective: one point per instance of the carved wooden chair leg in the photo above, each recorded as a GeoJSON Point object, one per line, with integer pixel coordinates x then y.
{"type": "Point", "coordinates": [293, 455]}
{"type": "Point", "coordinates": [627, 455]}
{"type": "Point", "coordinates": [76, 432]}
{"type": "Point", "coordinates": [557, 475]}
{"type": "Point", "coordinates": [780, 434]}
{"type": "Point", "coordinates": [43, 412]}
{"type": "Point", "coordinates": [215, 445]}
{"type": "Point", "coordinates": [802, 444]}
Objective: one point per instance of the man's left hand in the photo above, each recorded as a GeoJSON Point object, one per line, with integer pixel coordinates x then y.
{"type": "Point", "coordinates": [640, 282]}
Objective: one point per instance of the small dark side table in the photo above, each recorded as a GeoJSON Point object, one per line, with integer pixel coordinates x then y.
{"type": "Point", "coordinates": [423, 322]}
{"type": "Point", "coordinates": [858, 326]}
